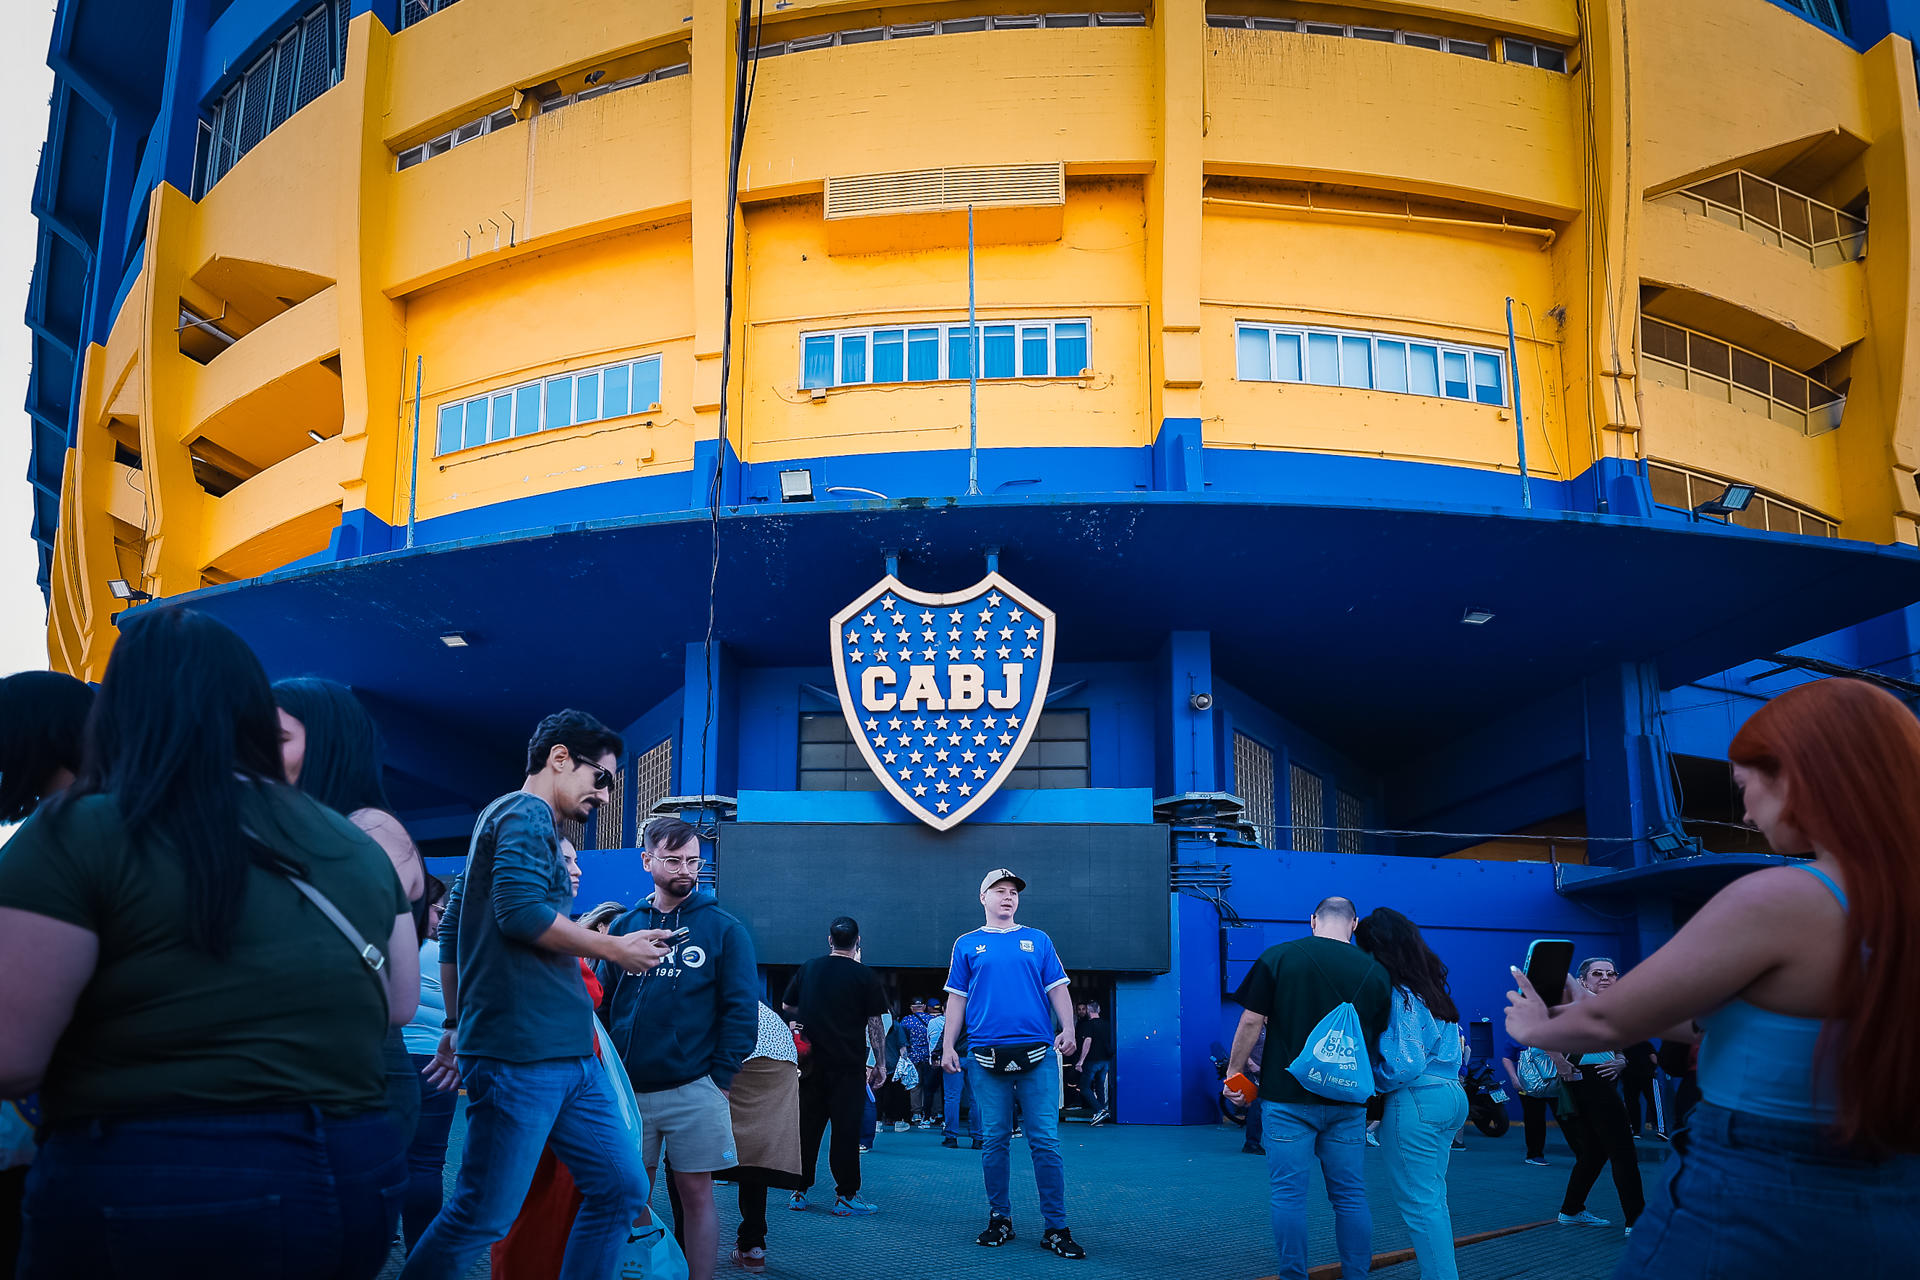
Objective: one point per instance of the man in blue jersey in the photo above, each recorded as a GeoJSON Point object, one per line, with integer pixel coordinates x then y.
{"type": "Point", "coordinates": [1009, 993]}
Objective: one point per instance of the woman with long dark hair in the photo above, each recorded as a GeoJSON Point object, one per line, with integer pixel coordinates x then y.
{"type": "Point", "coordinates": [43, 720]}
{"type": "Point", "coordinates": [1417, 1067]}
{"type": "Point", "coordinates": [207, 1034]}
{"type": "Point", "coordinates": [331, 750]}
{"type": "Point", "coordinates": [1803, 985]}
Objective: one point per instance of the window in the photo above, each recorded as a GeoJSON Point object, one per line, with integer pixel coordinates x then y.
{"type": "Point", "coordinates": [1780, 216]}
{"type": "Point", "coordinates": [1379, 362]}
{"type": "Point", "coordinates": [1056, 756]}
{"type": "Point", "coordinates": [950, 27]}
{"type": "Point", "coordinates": [652, 779]}
{"type": "Point", "coordinates": [303, 63]}
{"type": "Point", "coordinates": [1308, 792]}
{"type": "Point", "coordinates": [504, 117]}
{"type": "Point", "coordinates": [607, 831]}
{"type": "Point", "coordinates": [412, 11]}
{"type": "Point", "coordinates": [1525, 52]}
{"type": "Point", "coordinates": [830, 760]}
{"type": "Point", "coordinates": [1685, 489]}
{"type": "Point", "coordinates": [1350, 814]}
{"type": "Point", "coordinates": [1253, 781]}
{"type": "Point", "coordinates": [547, 404]}
{"type": "Point", "coordinates": [935, 353]}
{"type": "Point", "coordinates": [1831, 14]}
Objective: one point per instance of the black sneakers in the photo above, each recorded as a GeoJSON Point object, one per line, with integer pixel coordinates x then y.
{"type": "Point", "coordinates": [977, 1144]}
{"type": "Point", "coordinates": [999, 1231]}
{"type": "Point", "coordinates": [950, 1142]}
{"type": "Point", "coordinates": [1060, 1240]}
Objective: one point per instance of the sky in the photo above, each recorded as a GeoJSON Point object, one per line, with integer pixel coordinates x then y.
{"type": "Point", "coordinates": [25, 86]}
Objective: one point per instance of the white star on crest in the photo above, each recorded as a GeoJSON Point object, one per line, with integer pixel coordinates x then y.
{"type": "Point", "coordinates": [954, 634]}
{"type": "Point", "coordinates": [929, 739]}
{"type": "Point", "coordinates": [941, 723]}
{"type": "Point", "coordinates": [1006, 739]}
{"type": "Point", "coordinates": [926, 635]}
{"type": "Point", "coordinates": [956, 615]}
{"type": "Point", "coordinates": [914, 756]}
{"type": "Point", "coordinates": [919, 790]}
{"type": "Point", "coordinates": [1033, 633]}
{"type": "Point", "coordinates": [1027, 651]}
{"type": "Point", "coordinates": [872, 724]}
{"type": "Point", "coordinates": [979, 633]}
{"type": "Point", "coordinates": [891, 757]}
{"type": "Point", "coordinates": [994, 756]}
{"type": "Point", "coordinates": [919, 723]}
{"type": "Point", "coordinates": [954, 738]}
{"type": "Point", "coordinates": [1005, 652]}
{"type": "Point", "coordinates": [1014, 615]}
{"type": "Point", "coordinates": [881, 654]}
{"type": "Point", "coordinates": [944, 806]}
{"type": "Point", "coordinates": [853, 637]}
{"type": "Point", "coordinates": [941, 786]}
{"type": "Point", "coordinates": [906, 775]}
{"type": "Point", "coordinates": [990, 723]}
{"type": "Point", "coordinates": [887, 603]}
{"type": "Point", "coordinates": [978, 652]}
{"type": "Point", "coordinates": [953, 655]}
{"type": "Point", "coordinates": [1013, 722]}
{"type": "Point", "coordinates": [858, 656]}
{"type": "Point", "coordinates": [894, 724]}
{"type": "Point", "coordinates": [905, 636]}
{"type": "Point", "coordinates": [979, 739]}
{"type": "Point", "coordinates": [978, 772]}
{"type": "Point", "coordinates": [994, 599]}
{"type": "Point", "coordinates": [967, 756]}
{"type": "Point", "coordinates": [965, 790]}
{"type": "Point", "coordinates": [1006, 633]}
{"type": "Point", "coordinates": [925, 616]}
{"type": "Point", "coordinates": [986, 615]}
{"type": "Point", "coordinates": [927, 654]}
{"type": "Point", "coordinates": [940, 755]}
{"type": "Point", "coordinates": [966, 722]}
{"type": "Point", "coordinates": [953, 771]}
{"type": "Point", "coordinates": [866, 619]}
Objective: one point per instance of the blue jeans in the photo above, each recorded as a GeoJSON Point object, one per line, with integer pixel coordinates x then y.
{"type": "Point", "coordinates": [1748, 1197]}
{"type": "Point", "coordinates": [1097, 1083]}
{"type": "Point", "coordinates": [1037, 1090]}
{"type": "Point", "coordinates": [1295, 1133]}
{"type": "Point", "coordinates": [1416, 1137]}
{"type": "Point", "coordinates": [426, 1156]}
{"type": "Point", "coordinates": [291, 1193]}
{"type": "Point", "coordinates": [960, 1090]}
{"type": "Point", "coordinates": [514, 1109]}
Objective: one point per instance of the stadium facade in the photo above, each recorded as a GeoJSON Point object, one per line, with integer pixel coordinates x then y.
{"type": "Point", "coordinates": [1430, 426]}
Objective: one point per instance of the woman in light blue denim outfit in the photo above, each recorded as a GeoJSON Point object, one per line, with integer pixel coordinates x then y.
{"type": "Point", "coordinates": [1418, 1069]}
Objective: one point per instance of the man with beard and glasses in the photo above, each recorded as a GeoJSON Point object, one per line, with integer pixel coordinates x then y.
{"type": "Point", "coordinates": [519, 1027]}
{"type": "Point", "coordinates": [684, 1029]}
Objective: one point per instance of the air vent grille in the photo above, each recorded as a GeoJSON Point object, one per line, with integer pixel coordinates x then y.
{"type": "Point", "coordinates": [926, 190]}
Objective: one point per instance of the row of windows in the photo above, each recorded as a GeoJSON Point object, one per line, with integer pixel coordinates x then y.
{"type": "Point", "coordinates": [1685, 489]}
{"type": "Point", "coordinates": [501, 119]}
{"type": "Point", "coordinates": [951, 26]}
{"type": "Point", "coordinates": [1253, 780]}
{"type": "Point", "coordinates": [587, 395]}
{"type": "Point", "coordinates": [934, 353]}
{"type": "Point", "coordinates": [1528, 53]}
{"type": "Point", "coordinates": [1778, 215]}
{"type": "Point", "coordinates": [1057, 756]}
{"type": "Point", "coordinates": [1378, 362]}
{"type": "Point", "coordinates": [306, 61]}
{"type": "Point", "coordinates": [1828, 13]}
{"type": "Point", "coordinates": [1742, 378]}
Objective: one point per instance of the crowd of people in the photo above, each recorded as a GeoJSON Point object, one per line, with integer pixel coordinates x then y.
{"type": "Point", "coordinates": [241, 1013]}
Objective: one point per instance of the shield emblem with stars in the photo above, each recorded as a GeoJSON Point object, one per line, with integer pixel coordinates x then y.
{"type": "Point", "coordinates": [943, 692]}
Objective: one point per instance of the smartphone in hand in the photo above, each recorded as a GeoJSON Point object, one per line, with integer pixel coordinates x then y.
{"type": "Point", "coordinates": [1549, 961]}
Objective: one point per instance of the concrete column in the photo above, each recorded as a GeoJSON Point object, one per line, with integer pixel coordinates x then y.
{"type": "Point", "coordinates": [1629, 785]}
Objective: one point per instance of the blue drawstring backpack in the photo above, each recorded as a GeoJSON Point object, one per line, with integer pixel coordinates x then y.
{"type": "Point", "coordinates": [1334, 1062]}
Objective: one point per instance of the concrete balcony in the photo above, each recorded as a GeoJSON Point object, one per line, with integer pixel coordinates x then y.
{"type": "Point", "coordinates": [259, 399]}
{"type": "Point", "coordinates": [280, 515]}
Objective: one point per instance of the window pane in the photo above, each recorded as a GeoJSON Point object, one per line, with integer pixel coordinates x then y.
{"type": "Point", "coordinates": [586, 398]}
{"type": "Point", "coordinates": [1453, 365]}
{"type": "Point", "coordinates": [502, 415]}
{"type": "Point", "coordinates": [889, 356]}
{"type": "Point", "coordinates": [959, 345]}
{"type": "Point", "coordinates": [1356, 362]}
{"type": "Point", "coordinates": [1549, 59]}
{"type": "Point", "coordinates": [1519, 51]}
{"type": "Point", "coordinates": [1033, 351]}
{"type": "Point", "coordinates": [996, 351]}
{"type": "Point", "coordinates": [1286, 357]}
{"type": "Point", "coordinates": [1069, 350]}
{"type": "Point", "coordinates": [853, 358]}
{"type": "Point", "coordinates": [1486, 379]}
{"type": "Point", "coordinates": [476, 422]}
{"type": "Point", "coordinates": [1256, 355]}
{"type": "Point", "coordinates": [559, 403]}
{"type": "Point", "coordinates": [613, 392]}
{"type": "Point", "coordinates": [451, 416]}
{"type": "Point", "coordinates": [1423, 370]}
{"type": "Point", "coordinates": [526, 409]}
{"type": "Point", "coordinates": [817, 370]}
{"type": "Point", "coordinates": [923, 355]}
{"type": "Point", "coordinates": [1323, 359]}
{"type": "Point", "coordinates": [1390, 365]}
{"type": "Point", "coordinates": [646, 384]}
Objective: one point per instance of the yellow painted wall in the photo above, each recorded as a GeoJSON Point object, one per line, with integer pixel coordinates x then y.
{"type": "Point", "coordinates": [611, 223]}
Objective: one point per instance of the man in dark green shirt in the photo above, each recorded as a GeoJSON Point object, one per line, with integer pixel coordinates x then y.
{"type": "Point", "coordinates": [1290, 988]}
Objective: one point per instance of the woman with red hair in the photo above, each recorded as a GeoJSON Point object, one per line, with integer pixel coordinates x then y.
{"type": "Point", "coordinates": [1802, 984]}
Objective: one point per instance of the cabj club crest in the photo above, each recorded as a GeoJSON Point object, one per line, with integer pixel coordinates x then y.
{"type": "Point", "coordinates": [942, 692]}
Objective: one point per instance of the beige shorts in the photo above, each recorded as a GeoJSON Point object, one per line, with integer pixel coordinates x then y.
{"type": "Point", "coordinates": [692, 1122]}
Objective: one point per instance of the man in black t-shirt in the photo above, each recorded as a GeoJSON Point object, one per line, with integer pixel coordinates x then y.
{"type": "Point", "coordinates": [1290, 988]}
{"type": "Point", "coordinates": [1096, 1061]}
{"type": "Point", "coordinates": [838, 1002]}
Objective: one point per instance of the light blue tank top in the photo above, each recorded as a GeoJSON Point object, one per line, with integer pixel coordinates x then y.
{"type": "Point", "coordinates": [1761, 1062]}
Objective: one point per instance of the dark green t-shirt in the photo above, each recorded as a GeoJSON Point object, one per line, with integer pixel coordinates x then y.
{"type": "Point", "coordinates": [292, 1016]}
{"type": "Point", "coordinates": [1295, 984]}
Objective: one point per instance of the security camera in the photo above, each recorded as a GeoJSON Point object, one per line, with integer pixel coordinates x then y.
{"type": "Point", "coordinates": [1200, 701]}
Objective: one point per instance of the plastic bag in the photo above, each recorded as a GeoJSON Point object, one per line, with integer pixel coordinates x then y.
{"type": "Point", "coordinates": [1334, 1063]}
{"type": "Point", "coordinates": [906, 1073]}
{"type": "Point", "coordinates": [651, 1252]}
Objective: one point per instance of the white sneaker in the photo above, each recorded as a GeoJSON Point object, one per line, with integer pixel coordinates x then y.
{"type": "Point", "coordinates": [901, 1126]}
{"type": "Point", "coordinates": [1582, 1219]}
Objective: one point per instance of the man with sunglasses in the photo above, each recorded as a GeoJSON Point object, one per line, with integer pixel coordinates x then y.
{"type": "Point", "coordinates": [519, 1026]}
{"type": "Point", "coordinates": [683, 1030]}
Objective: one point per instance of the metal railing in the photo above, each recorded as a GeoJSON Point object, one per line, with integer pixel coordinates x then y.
{"type": "Point", "coordinates": [1745, 379]}
{"type": "Point", "coordinates": [1820, 233]}
{"type": "Point", "coordinates": [1685, 488]}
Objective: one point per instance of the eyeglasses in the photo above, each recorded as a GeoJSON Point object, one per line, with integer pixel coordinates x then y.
{"type": "Point", "coordinates": [602, 778]}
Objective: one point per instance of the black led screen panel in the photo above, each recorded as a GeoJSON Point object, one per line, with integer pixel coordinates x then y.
{"type": "Point", "coordinates": [1099, 891]}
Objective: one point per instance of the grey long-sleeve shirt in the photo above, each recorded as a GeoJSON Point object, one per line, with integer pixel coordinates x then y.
{"type": "Point", "coordinates": [518, 1001]}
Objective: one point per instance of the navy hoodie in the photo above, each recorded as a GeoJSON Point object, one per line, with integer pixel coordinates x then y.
{"type": "Point", "coordinates": [695, 1015]}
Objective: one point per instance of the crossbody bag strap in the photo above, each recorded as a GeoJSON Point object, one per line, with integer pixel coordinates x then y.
{"type": "Point", "coordinates": [370, 955]}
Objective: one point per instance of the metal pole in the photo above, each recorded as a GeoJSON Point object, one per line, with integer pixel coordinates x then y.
{"type": "Point", "coordinates": [1519, 422]}
{"type": "Point", "coordinates": [413, 485]}
{"type": "Point", "coordinates": [973, 372]}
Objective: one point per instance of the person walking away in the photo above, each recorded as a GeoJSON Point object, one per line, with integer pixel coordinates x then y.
{"type": "Point", "coordinates": [1640, 1092]}
{"type": "Point", "coordinates": [913, 1033]}
{"type": "Point", "coordinates": [1599, 1120]}
{"type": "Point", "coordinates": [205, 1036]}
{"type": "Point", "coordinates": [331, 751]}
{"type": "Point", "coordinates": [932, 1078]}
{"type": "Point", "coordinates": [1289, 990]}
{"type": "Point", "coordinates": [1676, 1063]}
{"type": "Point", "coordinates": [1007, 990]}
{"type": "Point", "coordinates": [838, 1002]}
{"type": "Point", "coordinates": [1418, 1071]}
{"type": "Point", "coordinates": [1096, 1063]}
{"type": "Point", "coordinates": [683, 1030]}
{"type": "Point", "coordinates": [519, 1027]}
{"type": "Point", "coordinates": [427, 1153]}
{"type": "Point", "coordinates": [1802, 1157]}
{"type": "Point", "coordinates": [765, 1104]}
{"type": "Point", "coordinates": [43, 720]}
